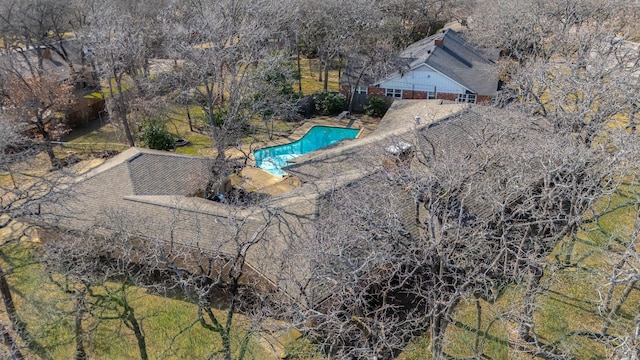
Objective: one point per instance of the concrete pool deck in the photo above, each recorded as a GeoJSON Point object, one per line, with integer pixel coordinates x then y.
{"type": "Point", "coordinates": [400, 119]}
{"type": "Point", "coordinates": [255, 179]}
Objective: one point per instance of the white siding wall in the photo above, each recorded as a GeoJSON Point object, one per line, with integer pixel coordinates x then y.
{"type": "Point", "coordinates": [423, 79]}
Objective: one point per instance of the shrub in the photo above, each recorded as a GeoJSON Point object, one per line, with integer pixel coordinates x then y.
{"type": "Point", "coordinates": [154, 135]}
{"type": "Point", "coordinates": [219, 116]}
{"type": "Point", "coordinates": [377, 107]}
{"type": "Point", "coordinates": [328, 103]}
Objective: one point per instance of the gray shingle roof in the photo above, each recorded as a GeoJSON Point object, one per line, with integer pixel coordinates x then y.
{"type": "Point", "coordinates": [147, 193]}
{"type": "Point", "coordinates": [25, 61]}
{"type": "Point", "coordinates": [162, 174]}
{"type": "Point", "coordinates": [363, 156]}
{"type": "Point", "coordinates": [467, 64]}
{"type": "Point", "coordinates": [148, 189]}
{"type": "Point", "coordinates": [458, 59]}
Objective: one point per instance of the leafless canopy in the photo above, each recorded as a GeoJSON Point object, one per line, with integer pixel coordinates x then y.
{"type": "Point", "coordinates": [491, 193]}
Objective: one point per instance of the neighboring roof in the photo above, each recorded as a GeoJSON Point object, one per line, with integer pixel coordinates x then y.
{"type": "Point", "coordinates": [465, 63]}
{"type": "Point", "coordinates": [25, 61]}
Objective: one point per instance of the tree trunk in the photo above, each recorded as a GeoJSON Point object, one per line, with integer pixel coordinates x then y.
{"type": "Point", "coordinates": [226, 341]}
{"type": "Point", "coordinates": [437, 334]}
{"type": "Point", "coordinates": [137, 330]}
{"type": "Point", "coordinates": [122, 107]}
{"type": "Point", "coordinates": [189, 118]}
{"type": "Point", "coordinates": [478, 327]}
{"type": "Point", "coordinates": [299, 70]}
{"type": "Point", "coordinates": [326, 75]}
{"type": "Point", "coordinates": [40, 124]}
{"type": "Point", "coordinates": [81, 353]}
{"type": "Point", "coordinates": [52, 156]}
{"type": "Point", "coordinates": [10, 343]}
{"type": "Point", "coordinates": [10, 305]}
{"type": "Point", "coordinates": [18, 325]}
{"type": "Point", "coordinates": [127, 130]}
{"type": "Point", "coordinates": [533, 286]}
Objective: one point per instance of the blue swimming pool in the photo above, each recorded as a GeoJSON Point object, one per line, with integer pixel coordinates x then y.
{"type": "Point", "coordinates": [273, 159]}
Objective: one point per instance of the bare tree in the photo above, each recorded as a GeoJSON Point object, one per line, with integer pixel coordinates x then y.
{"type": "Point", "coordinates": [540, 29]}
{"type": "Point", "coordinates": [412, 20]}
{"type": "Point", "coordinates": [40, 25]}
{"type": "Point", "coordinates": [39, 104]}
{"type": "Point", "coordinates": [492, 195]}
{"type": "Point", "coordinates": [217, 48]}
{"type": "Point", "coordinates": [23, 192]}
{"type": "Point", "coordinates": [217, 275]}
{"type": "Point", "coordinates": [98, 273]}
{"type": "Point", "coordinates": [334, 30]}
{"type": "Point", "coordinates": [620, 273]}
{"type": "Point", "coordinates": [122, 44]}
{"type": "Point", "coordinates": [572, 61]}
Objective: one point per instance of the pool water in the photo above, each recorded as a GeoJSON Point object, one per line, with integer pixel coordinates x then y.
{"type": "Point", "coordinates": [273, 159]}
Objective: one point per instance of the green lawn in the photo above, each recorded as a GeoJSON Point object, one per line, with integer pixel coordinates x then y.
{"type": "Point", "coordinates": [111, 135]}
{"type": "Point", "coordinates": [570, 302]}
{"type": "Point", "coordinates": [309, 77]}
{"type": "Point", "coordinates": [168, 324]}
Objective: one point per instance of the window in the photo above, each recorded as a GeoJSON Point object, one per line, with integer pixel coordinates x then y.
{"type": "Point", "coordinates": [361, 90]}
{"type": "Point", "coordinates": [431, 94]}
{"type": "Point", "coordinates": [466, 98]}
{"type": "Point", "coordinates": [396, 93]}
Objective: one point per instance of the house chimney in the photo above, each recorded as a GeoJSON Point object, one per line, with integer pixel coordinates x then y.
{"type": "Point", "coordinates": [439, 42]}
{"type": "Point", "coordinates": [46, 54]}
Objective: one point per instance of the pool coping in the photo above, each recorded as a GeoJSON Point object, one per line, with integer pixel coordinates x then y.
{"type": "Point", "coordinates": [252, 156]}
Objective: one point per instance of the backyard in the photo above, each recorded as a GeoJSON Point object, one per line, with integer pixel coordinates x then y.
{"type": "Point", "coordinates": [568, 307]}
{"type": "Point", "coordinates": [105, 135]}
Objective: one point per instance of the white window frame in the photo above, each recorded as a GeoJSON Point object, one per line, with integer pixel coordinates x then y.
{"type": "Point", "coordinates": [467, 98]}
{"type": "Point", "coordinates": [362, 90]}
{"type": "Point", "coordinates": [396, 93]}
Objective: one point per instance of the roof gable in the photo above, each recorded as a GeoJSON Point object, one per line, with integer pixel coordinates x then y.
{"type": "Point", "coordinates": [449, 54]}
{"type": "Point", "coordinates": [463, 62]}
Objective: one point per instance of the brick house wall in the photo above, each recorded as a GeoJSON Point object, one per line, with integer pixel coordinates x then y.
{"type": "Point", "coordinates": [410, 94]}
{"type": "Point", "coordinates": [447, 96]}
{"type": "Point", "coordinates": [484, 100]}
{"type": "Point", "coordinates": [371, 90]}
{"type": "Point", "coordinates": [375, 91]}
